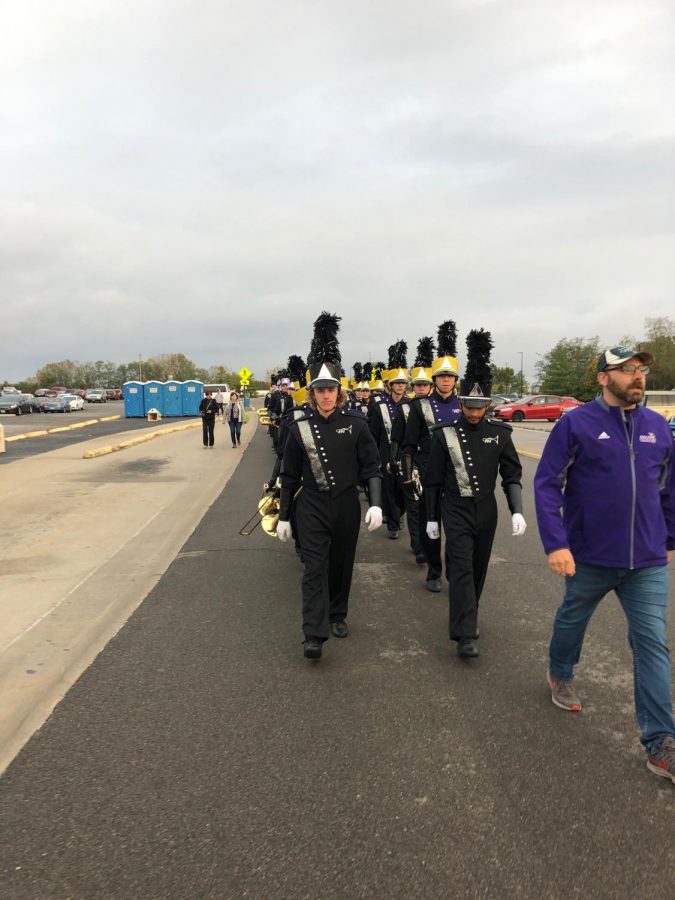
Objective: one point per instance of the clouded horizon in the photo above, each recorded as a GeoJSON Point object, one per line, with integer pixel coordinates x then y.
{"type": "Point", "coordinates": [206, 177]}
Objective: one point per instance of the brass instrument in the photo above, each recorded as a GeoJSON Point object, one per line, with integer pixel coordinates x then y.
{"type": "Point", "coordinates": [264, 418]}
{"type": "Point", "coordinates": [268, 510]}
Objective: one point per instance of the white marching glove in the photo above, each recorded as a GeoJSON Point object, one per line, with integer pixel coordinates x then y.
{"type": "Point", "coordinates": [284, 531]}
{"type": "Point", "coordinates": [519, 525]}
{"type": "Point", "coordinates": [433, 531]}
{"type": "Point", "coordinates": [373, 517]}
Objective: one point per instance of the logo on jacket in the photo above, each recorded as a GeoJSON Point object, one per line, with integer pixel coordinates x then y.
{"type": "Point", "coordinates": [491, 440]}
{"type": "Point", "coordinates": [603, 436]}
{"type": "Point", "coordinates": [648, 438]}
{"type": "Point", "coordinates": [346, 430]}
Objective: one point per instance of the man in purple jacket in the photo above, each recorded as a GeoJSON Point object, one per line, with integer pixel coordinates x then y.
{"type": "Point", "coordinates": [605, 498]}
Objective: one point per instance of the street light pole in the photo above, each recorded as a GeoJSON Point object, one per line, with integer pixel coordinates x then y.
{"type": "Point", "coordinates": [140, 367]}
{"type": "Point", "coordinates": [521, 371]}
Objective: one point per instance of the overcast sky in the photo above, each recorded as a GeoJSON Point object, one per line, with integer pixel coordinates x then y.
{"type": "Point", "coordinates": [205, 177]}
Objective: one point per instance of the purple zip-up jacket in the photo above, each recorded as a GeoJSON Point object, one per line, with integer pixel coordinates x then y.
{"type": "Point", "coordinates": [605, 487]}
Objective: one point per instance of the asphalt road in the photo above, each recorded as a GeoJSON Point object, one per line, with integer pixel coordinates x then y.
{"type": "Point", "coordinates": [202, 756]}
{"type": "Point", "coordinates": [45, 443]}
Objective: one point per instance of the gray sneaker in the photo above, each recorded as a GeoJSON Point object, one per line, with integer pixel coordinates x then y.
{"type": "Point", "coordinates": [563, 694]}
{"type": "Point", "coordinates": [663, 761]}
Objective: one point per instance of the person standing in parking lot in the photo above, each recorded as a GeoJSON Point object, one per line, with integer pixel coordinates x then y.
{"type": "Point", "coordinates": [605, 498]}
{"type": "Point", "coordinates": [207, 410]}
{"type": "Point", "coordinates": [234, 416]}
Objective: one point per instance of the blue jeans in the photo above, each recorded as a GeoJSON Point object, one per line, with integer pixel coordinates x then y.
{"type": "Point", "coordinates": [643, 594]}
{"type": "Point", "coordinates": [235, 430]}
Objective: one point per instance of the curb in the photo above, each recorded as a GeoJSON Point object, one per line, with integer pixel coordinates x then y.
{"type": "Point", "coordinates": [32, 434]}
{"type": "Point", "coordinates": [115, 448]}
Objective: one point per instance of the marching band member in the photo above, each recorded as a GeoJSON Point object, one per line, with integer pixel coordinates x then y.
{"type": "Point", "coordinates": [328, 451]}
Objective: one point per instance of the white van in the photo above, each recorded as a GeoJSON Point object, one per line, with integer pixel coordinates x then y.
{"type": "Point", "coordinates": [225, 388]}
{"type": "Point", "coordinates": [662, 402]}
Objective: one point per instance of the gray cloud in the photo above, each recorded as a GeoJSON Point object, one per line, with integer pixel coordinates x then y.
{"type": "Point", "coordinates": [207, 177]}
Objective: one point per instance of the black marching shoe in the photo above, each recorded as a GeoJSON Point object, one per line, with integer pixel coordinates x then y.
{"type": "Point", "coordinates": [434, 585]}
{"type": "Point", "coordinates": [312, 648]}
{"type": "Point", "coordinates": [339, 629]}
{"type": "Point", "coordinates": [467, 649]}
{"type": "Point", "coordinates": [419, 557]}
{"type": "Point", "coordinates": [393, 535]}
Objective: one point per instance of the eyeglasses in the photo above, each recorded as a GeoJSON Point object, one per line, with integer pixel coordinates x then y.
{"type": "Point", "coordinates": [629, 369]}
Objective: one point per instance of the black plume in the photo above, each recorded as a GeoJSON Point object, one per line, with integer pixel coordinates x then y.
{"type": "Point", "coordinates": [425, 352]}
{"type": "Point", "coordinates": [368, 371]}
{"type": "Point", "coordinates": [399, 358]}
{"type": "Point", "coordinates": [479, 345]}
{"type": "Point", "coordinates": [447, 339]}
{"type": "Point", "coordinates": [274, 377]}
{"type": "Point", "coordinates": [358, 372]}
{"type": "Point", "coordinates": [297, 369]}
{"type": "Point", "coordinates": [325, 347]}
{"type": "Point", "coordinates": [380, 367]}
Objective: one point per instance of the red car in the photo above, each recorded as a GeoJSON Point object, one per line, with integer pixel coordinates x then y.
{"type": "Point", "coordinates": [538, 406]}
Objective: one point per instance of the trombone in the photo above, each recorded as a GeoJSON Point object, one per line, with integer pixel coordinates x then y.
{"type": "Point", "coordinates": [268, 510]}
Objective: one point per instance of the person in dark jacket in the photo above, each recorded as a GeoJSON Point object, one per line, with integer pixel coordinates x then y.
{"type": "Point", "coordinates": [328, 452]}
{"type": "Point", "coordinates": [207, 410]}
{"type": "Point", "coordinates": [421, 384]}
{"type": "Point", "coordinates": [459, 483]}
{"type": "Point", "coordinates": [605, 499]}
{"type": "Point", "coordinates": [425, 412]}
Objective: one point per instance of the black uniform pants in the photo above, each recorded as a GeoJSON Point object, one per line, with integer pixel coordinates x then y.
{"type": "Point", "coordinates": [328, 528]}
{"type": "Point", "coordinates": [208, 424]}
{"type": "Point", "coordinates": [413, 520]}
{"type": "Point", "coordinates": [392, 499]}
{"type": "Point", "coordinates": [469, 533]}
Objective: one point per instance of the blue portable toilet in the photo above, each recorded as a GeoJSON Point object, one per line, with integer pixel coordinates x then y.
{"type": "Point", "coordinates": [173, 398]}
{"type": "Point", "coordinates": [153, 396]}
{"type": "Point", "coordinates": [192, 397]}
{"type": "Point", "coordinates": [134, 404]}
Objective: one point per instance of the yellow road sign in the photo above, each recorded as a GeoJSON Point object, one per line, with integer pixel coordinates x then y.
{"type": "Point", "coordinates": [245, 374]}
{"type": "Point", "coordinates": [244, 382]}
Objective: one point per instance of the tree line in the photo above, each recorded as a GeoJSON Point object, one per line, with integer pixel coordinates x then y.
{"type": "Point", "coordinates": [568, 368]}
{"type": "Point", "coordinates": [105, 374]}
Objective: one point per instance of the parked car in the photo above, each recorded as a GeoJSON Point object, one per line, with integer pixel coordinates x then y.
{"type": "Point", "coordinates": [75, 401]}
{"type": "Point", "coordinates": [539, 406]}
{"type": "Point", "coordinates": [671, 422]}
{"type": "Point", "coordinates": [95, 395]}
{"type": "Point", "coordinates": [79, 392]}
{"type": "Point", "coordinates": [18, 404]}
{"type": "Point", "coordinates": [60, 403]}
{"type": "Point", "coordinates": [114, 394]}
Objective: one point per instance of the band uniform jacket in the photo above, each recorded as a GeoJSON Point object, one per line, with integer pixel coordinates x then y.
{"type": "Point", "coordinates": [327, 455]}
{"type": "Point", "coordinates": [464, 461]}
{"type": "Point", "coordinates": [425, 412]}
{"type": "Point", "coordinates": [381, 423]}
{"type": "Point", "coordinates": [279, 404]}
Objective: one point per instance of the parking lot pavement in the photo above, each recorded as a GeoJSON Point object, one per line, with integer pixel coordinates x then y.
{"type": "Point", "coordinates": [201, 756]}
{"type": "Point", "coordinates": [93, 413]}
{"type": "Point", "coordinates": [81, 544]}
